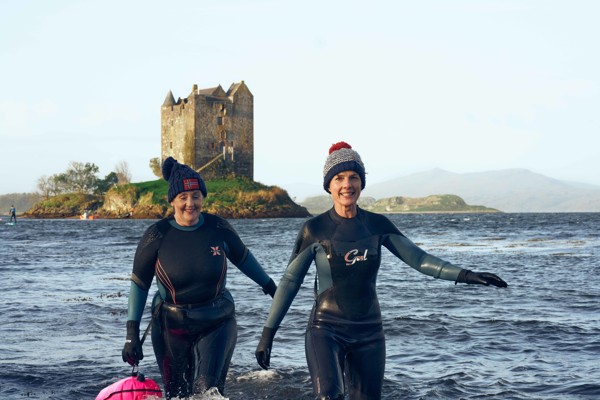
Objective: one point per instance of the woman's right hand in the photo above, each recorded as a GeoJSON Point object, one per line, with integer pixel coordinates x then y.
{"type": "Point", "coordinates": [263, 350]}
{"type": "Point", "coordinates": [132, 351]}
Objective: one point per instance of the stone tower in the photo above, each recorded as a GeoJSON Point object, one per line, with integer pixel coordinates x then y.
{"type": "Point", "coordinates": [211, 130]}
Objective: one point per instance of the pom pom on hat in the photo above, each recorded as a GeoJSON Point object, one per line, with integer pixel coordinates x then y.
{"type": "Point", "coordinates": [167, 167]}
{"type": "Point", "coordinates": [181, 178]}
{"type": "Point", "coordinates": [338, 146]}
{"type": "Point", "coordinates": [342, 158]}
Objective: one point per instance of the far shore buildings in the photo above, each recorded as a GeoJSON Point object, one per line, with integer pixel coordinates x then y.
{"type": "Point", "coordinates": [211, 130]}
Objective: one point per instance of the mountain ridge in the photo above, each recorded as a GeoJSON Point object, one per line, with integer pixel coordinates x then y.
{"type": "Point", "coordinates": [507, 190]}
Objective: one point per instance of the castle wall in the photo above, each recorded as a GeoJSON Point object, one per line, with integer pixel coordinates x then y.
{"type": "Point", "coordinates": [177, 127]}
{"type": "Point", "coordinates": [208, 145]}
{"type": "Point", "coordinates": [208, 123]}
{"type": "Point", "coordinates": [242, 126]}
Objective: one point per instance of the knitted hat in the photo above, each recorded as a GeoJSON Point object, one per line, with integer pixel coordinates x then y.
{"type": "Point", "coordinates": [342, 158]}
{"type": "Point", "coordinates": [181, 178]}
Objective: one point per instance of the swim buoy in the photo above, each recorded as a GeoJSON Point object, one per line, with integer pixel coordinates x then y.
{"type": "Point", "coordinates": [133, 388]}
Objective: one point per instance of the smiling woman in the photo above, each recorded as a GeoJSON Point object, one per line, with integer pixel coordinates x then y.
{"type": "Point", "coordinates": [194, 328]}
{"type": "Point", "coordinates": [345, 342]}
{"type": "Point", "coordinates": [187, 207]}
{"type": "Point", "coordinates": [344, 178]}
{"type": "Point", "coordinates": [186, 191]}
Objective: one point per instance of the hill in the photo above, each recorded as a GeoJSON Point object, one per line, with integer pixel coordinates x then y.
{"type": "Point", "coordinates": [399, 204]}
{"type": "Point", "coordinates": [229, 198]}
{"type": "Point", "coordinates": [511, 190]}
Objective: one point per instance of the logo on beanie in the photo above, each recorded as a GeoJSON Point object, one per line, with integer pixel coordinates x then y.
{"type": "Point", "coordinates": [191, 184]}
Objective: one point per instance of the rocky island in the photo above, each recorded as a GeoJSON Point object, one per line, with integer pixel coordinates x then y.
{"type": "Point", "coordinates": [442, 203]}
{"type": "Point", "coordinates": [227, 197]}
{"type": "Point", "coordinates": [230, 198]}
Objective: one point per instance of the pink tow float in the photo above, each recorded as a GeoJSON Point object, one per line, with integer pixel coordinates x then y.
{"type": "Point", "coordinates": [135, 387]}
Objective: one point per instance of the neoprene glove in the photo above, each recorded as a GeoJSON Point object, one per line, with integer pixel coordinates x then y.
{"type": "Point", "coordinates": [263, 350]}
{"type": "Point", "coordinates": [481, 278]}
{"type": "Point", "coordinates": [132, 351]}
{"type": "Point", "coordinates": [270, 288]}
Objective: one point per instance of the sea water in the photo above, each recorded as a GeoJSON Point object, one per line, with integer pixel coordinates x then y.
{"type": "Point", "coordinates": [64, 285]}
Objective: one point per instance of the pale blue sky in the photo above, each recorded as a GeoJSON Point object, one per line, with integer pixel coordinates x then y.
{"type": "Point", "coordinates": [467, 86]}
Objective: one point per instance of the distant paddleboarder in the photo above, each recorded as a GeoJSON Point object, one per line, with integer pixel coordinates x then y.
{"type": "Point", "coordinates": [13, 215]}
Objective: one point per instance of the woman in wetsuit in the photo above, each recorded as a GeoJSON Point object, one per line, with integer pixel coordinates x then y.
{"type": "Point", "coordinates": [345, 344]}
{"type": "Point", "coordinates": [194, 330]}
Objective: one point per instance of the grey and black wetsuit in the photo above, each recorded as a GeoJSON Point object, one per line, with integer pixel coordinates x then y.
{"type": "Point", "coordinates": [195, 331]}
{"type": "Point", "coordinates": [344, 335]}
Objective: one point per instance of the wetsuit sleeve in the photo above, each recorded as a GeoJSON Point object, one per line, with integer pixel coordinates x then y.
{"type": "Point", "coordinates": [290, 284]}
{"type": "Point", "coordinates": [145, 258]}
{"type": "Point", "coordinates": [253, 270]}
{"type": "Point", "coordinates": [136, 302]}
{"type": "Point", "coordinates": [235, 249]}
{"type": "Point", "coordinates": [419, 259]}
{"type": "Point", "coordinates": [240, 256]}
{"type": "Point", "coordinates": [143, 272]}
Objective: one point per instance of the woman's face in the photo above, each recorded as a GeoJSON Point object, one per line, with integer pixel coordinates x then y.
{"type": "Point", "coordinates": [345, 189]}
{"type": "Point", "coordinates": [187, 207]}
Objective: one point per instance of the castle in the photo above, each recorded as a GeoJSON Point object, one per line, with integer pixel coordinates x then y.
{"type": "Point", "coordinates": [211, 130]}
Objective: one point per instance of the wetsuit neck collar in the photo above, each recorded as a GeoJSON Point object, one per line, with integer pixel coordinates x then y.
{"type": "Point", "coordinates": [175, 225]}
{"type": "Point", "coordinates": [339, 219]}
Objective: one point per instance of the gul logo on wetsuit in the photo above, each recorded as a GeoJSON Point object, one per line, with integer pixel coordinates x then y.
{"type": "Point", "coordinates": [216, 251]}
{"type": "Point", "coordinates": [352, 257]}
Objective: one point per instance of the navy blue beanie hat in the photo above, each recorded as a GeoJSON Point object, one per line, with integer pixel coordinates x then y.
{"type": "Point", "coordinates": [181, 178]}
{"type": "Point", "coordinates": [342, 158]}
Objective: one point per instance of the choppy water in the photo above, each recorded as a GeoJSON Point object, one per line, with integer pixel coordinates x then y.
{"type": "Point", "coordinates": [64, 286]}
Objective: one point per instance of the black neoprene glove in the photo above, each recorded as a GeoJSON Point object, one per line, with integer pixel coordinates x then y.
{"type": "Point", "coordinates": [270, 288]}
{"type": "Point", "coordinates": [263, 350]}
{"type": "Point", "coordinates": [132, 351]}
{"type": "Point", "coordinates": [481, 278]}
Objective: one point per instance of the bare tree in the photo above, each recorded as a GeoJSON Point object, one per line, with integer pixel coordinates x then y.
{"type": "Point", "coordinates": [78, 178]}
{"type": "Point", "coordinates": [156, 166]}
{"type": "Point", "coordinates": [122, 171]}
{"type": "Point", "coordinates": [45, 186]}
{"type": "Point", "coordinates": [49, 186]}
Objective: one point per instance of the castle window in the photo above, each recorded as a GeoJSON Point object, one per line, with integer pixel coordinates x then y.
{"type": "Point", "coordinates": [219, 120]}
{"type": "Point", "coordinates": [171, 145]}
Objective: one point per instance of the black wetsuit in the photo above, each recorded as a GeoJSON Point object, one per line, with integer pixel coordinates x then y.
{"type": "Point", "coordinates": [13, 215]}
{"type": "Point", "coordinates": [195, 332]}
{"type": "Point", "coordinates": [344, 334]}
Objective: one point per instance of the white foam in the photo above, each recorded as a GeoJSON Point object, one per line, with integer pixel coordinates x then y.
{"type": "Point", "coordinates": [259, 375]}
{"type": "Point", "coordinates": [210, 394]}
